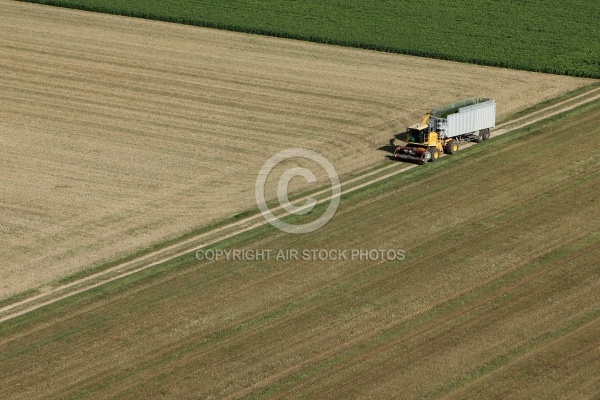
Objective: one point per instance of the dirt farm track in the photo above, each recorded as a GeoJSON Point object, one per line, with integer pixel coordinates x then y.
{"type": "Point", "coordinates": [117, 133]}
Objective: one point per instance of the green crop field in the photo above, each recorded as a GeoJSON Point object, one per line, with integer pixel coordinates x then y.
{"type": "Point", "coordinates": [496, 297]}
{"type": "Point", "coordinates": [547, 36]}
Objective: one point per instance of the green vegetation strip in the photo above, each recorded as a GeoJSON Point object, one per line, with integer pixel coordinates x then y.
{"type": "Point", "coordinates": [19, 297]}
{"type": "Point", "coordinates": [551, 36]}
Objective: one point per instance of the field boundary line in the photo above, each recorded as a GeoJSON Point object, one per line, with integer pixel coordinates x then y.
{"type": "Point", "coordinates": [188, 245]}
{"type": "Point", "coordinates": [586, 94]}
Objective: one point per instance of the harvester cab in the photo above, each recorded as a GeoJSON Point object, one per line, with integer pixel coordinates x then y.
{"type": "Point", "coordinates": [422, 134]}
{"type": "Point", "coordinates": [417, 133]}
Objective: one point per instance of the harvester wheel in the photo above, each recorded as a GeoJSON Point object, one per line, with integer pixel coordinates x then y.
{"type": "Point", "coordinates": [451, 147]}
{"type": "Point", "coordinates": [435, 153]}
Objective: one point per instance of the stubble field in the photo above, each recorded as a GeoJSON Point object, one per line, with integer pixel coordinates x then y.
{"type": "Point", "coordinates": [117, 133]}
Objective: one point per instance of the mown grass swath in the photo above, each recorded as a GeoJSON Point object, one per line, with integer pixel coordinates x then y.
{"type": "Point", "coordinates": [551, 36]}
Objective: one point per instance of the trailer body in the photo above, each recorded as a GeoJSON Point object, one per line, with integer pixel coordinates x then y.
{"type": "Point", "coordinates": [464, 118]}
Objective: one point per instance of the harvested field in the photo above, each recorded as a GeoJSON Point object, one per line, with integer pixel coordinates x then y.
{"type": "Point", "coordinates": [118, 133]}
{"type": "Point", "coordinates": [496, 299]}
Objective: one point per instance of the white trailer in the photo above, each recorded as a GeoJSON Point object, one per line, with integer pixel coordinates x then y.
{"type": "Point", "coordinates": [468, 120]}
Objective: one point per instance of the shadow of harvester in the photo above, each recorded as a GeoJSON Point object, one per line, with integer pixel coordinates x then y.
{"type": "Point", "coordinates": [391, 146]}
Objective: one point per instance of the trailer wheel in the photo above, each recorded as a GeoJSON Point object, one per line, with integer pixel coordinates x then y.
{"type": "Point", "coordinates": [486, 134]}
{"type": "Point", "coordinates": [435, 154]}
{"type": "Point", "coordinates": [479, 137]}
{"type": "Point", "coordinates": [451, 147]}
